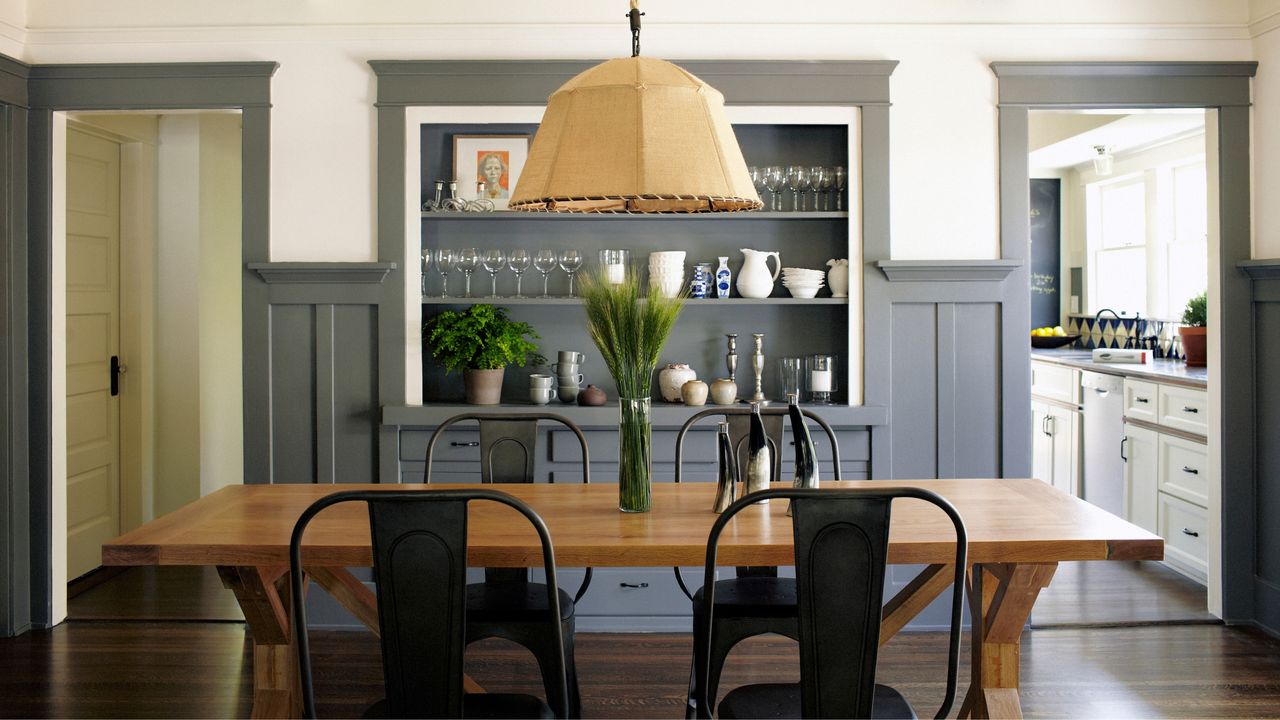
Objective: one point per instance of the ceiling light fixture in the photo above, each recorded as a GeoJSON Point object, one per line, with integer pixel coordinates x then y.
{"type": "Point", "coordinates": [635, 135]}
{"type": "Point", "coordinates": [1102, 161]}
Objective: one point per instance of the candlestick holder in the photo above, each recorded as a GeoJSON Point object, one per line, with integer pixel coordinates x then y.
{"type": "Point", "coordinates": [731, 358]}
{"type": "Point", "coordinates": [757, 366]}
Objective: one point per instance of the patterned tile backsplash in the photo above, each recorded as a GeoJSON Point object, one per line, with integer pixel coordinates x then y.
{"type": "Point", "coordinates": [1159, 336]}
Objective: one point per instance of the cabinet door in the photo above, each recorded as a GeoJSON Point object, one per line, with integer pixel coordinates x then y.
{"type": "Point", "coordinates": [1140, 473]}
{"type": "Point", "coordinates": [1041, 443]}
{"type": "Point", "coordinates": [1064, 425]}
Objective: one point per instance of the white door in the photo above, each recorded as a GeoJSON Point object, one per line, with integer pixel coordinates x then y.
{"type": "Point", "coordinates": [93, 339]}
{"type": "Point", "coordinates": [1064, 425]}
{"type": "Point", "coordinates": [1140, 458]}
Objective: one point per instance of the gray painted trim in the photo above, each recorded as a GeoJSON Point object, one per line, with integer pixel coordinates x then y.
{"type": "Point", "coordinates": [947, 270]}
{"type": "Point", "coordinates": [529, 82]}
{"type": "Point", "coordinates": [243, 86]}
{"type": "Point", "coordinates": [1224, 86]}
{"type": "Point", "coordinates": [1261, 269]}
{"type": "Point", "coordinates": [309, 272]}
{"type": "Point", "coordinates": [13, 81]}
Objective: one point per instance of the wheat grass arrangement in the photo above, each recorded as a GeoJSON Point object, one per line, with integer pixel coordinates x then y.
{"type": "Point", "coordinates": [630, 332]}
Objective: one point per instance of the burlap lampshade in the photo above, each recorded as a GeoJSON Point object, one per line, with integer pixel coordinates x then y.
{"type": "Point", "coordinates": [635, 135]}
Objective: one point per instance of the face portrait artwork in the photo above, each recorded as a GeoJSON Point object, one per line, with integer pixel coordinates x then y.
{"type": "Point", "coordinates": [492, 174]}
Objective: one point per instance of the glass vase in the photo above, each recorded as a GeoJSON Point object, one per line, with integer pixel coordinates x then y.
{"type": "Point", "coordinates": [635, 455]}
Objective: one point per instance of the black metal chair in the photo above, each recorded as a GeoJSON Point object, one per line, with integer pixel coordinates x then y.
{"type": "Point", "coordinates": [419, 564]}
{"type": "Point", "coordinates": [841, 550]}
{"type": "Point", "coordinates": [507, 605]}
{"type": "Point", "coordinates": [756, 601]}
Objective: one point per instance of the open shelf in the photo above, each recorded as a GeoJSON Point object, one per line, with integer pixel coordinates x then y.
{"type": "Point", "coordinates": [691, 303]}
{"type": "Point", "coordinates": [511, 215]}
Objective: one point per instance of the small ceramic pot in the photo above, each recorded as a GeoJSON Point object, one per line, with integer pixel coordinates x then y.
{"type": "Point", "coordinates": [568, 393]}
{"type": "Point", "coordinates": [838, 277]}
{"type": "Point", "coordinates": [483, 387]}
{"type": "Point", "coordinates": [724, 391]}
{"type": "Point", "coordinates": [672, 378]}
{"type": "Point", "coordinates": [592, 396]}
{"type": "Point", "coordinates": [694, 393]}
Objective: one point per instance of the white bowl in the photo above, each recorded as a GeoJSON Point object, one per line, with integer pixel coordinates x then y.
{"type": "Point", "coordinates": [806, 291]}
{"type": "Point", "coordinates": [668, 256]}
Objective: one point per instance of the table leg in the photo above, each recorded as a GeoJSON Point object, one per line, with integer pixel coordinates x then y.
{"type": "Point", "coordinates": [263, 594]}
{"type": "Point", "coordinates": [1000, 601]}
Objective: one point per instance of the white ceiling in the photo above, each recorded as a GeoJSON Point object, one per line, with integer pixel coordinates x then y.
{"type": "Point", "coordinates": [1124, 134]}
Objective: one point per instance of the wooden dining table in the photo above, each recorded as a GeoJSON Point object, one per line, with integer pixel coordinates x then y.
{"type": "Point", "coordinates": [1019, 530]}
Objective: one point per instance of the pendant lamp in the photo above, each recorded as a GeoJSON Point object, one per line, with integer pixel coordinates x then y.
{"type": "Point", "coordinates": [635, 135]}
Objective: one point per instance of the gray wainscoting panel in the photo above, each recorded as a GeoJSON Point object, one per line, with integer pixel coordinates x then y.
{"type": "Point", "coordinates": [974, 359]}
{"type": "Point", "coordinates": [293, 394]}
{"type": "Point", "coordinates": [914, 410]}
{"type": "Point", "coordinates": [355, 393]}
{"type": "Point", "coordinates": [1267, 387]}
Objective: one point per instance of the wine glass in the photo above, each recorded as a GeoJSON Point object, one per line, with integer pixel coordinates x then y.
{"type": "Point", "coordinates": [820, 179]}
{"type": "Point", "coordinates": [519, 262]}
{"type": "Point", "coordinates": [544, 262]}
{"type": "Point", "coordinates": [757, 177]}
{"type": "Point", "coordinates": [426, 265]}
{"type": "Point", "coordinates": [570, 261]}
{"type": "Point", "coordinates": [468, 260]}
{"type": "Point", "coordinates": [445, 258]}
{"type": "Point", "coordinates": [798, 180]}
{"type": "Point", "coordinates": [493, 261]}
{"type": "Point", "coordinates": [838, 178]}
{"type": "Point", "coordinates": [774, 177]}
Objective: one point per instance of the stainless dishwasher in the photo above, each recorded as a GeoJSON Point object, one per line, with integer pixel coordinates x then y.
{"type": "Point", "coordinates": [1102, 397]}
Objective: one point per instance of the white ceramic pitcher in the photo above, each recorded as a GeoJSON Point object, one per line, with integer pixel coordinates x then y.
{"type": "Point", "coordinates": [754, 280]}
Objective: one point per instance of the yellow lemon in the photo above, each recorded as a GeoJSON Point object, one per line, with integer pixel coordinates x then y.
{"type": "Point", "coordinates": [1059, 332]}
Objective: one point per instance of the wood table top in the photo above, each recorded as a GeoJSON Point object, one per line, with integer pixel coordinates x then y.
{"type": "Point", "coordinates": [1008, 520]}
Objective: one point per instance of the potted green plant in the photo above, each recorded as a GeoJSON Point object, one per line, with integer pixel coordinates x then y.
{"type": "Point", "coordinates": [481, 342]}
{"type": "Point", "coordinates": [1193, 329]}
{"type": "Point", "coordinates": [630, 332]}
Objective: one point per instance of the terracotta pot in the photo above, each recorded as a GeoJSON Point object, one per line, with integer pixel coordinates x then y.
{"type": "Point", "coordinates": [1193, 345]}
{"type": "Point", "coordinates": [591, 397]}
{"type": "Point", "coordinates": [484, 387]}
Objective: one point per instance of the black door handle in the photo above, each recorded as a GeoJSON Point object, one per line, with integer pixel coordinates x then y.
{"type": "Point", "coordinates": [634, 585]}
{"type": "Point", "coordinates": [1122, 455]}
{"type": "Point", "coordinates": [474, 443]}
{"type": "Point", "coordinates": [115, 375]}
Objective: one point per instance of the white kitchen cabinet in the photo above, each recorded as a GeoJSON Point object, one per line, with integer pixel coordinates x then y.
{"type": "Point", "coordinates": [1184, 527]}
{"type": "Point", "coordinates": [1055, 446]}
{"type": "Point", "coordinates": [1184, 469]}
{"type": "Point", "coordinates": [1141, 446]}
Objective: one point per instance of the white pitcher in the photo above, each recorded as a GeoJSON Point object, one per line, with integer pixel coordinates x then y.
{"type": "Point", "coordinates": [754, 280]}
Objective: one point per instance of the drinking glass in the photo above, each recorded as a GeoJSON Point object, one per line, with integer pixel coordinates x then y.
{"type": "Point", "coordinates": [544, 262]}
{"type": "Point", "coordinates": [774, 177]}
{"type": "Point", "coordinates": [798, 180]}
{"type": "Point", "coordinates": [570, 261]}
{"type": "Point", "coordinates": [838, 176]}
{"type": "Point", "coordinates": [791, 370]}
{"type": "Point", "coordinates": [426, 265]}
{"type": "Point", "coordinates": [468, 260]}
{"type": "Point", "coordinates": [445, 259]}
{"type": "Point", "coordinates": [519, 262]}
{"type": "Point", "coordinates": [493, 261]}
{"type": "Point", "coordinates": [820, 178]}
{"type": "Point", "coordinates": [757, 177]}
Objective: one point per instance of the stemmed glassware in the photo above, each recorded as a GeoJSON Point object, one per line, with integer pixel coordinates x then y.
{"type": "Point", "coordinates": [757, 177]}
{"type": "Point", "coordinates": [519, 262]}
{"type": "Point", "coordinates": [445, 259]}
{"type": "Point", "coordinates": [798, 180]}
{"type": "Point", "coordinates": [426, 265]}
{"type": "Point", "coordinates": [838, 175]}
{"type": "Point", "coordinates": [493, 261]}
{"type": "Point", "coordinates": [820, 179]}
{"type": "Point", "coordinates": [570, 261]}
{"type": "Point", "coordinates": [544, 262]}
{"type": "Point", "coordinates": [774, 177]}
{"type": "Point", "coordinates": [468, 260]}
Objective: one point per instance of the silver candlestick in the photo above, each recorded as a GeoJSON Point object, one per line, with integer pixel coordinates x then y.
{"type": "Point", "coordinates": [757, 366]}
{"type": "Point", "coordinates": [731, 358]}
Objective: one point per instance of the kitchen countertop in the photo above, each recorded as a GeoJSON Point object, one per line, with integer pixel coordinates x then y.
{"type": "Point", "coordinates": [1174, 372]}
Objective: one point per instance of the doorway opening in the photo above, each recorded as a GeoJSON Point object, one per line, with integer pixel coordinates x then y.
{"type": "Point", "coordinates": [147, 386]}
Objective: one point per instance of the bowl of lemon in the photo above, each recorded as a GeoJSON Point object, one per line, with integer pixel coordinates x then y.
{"type": "Point", "coordinates": [1051, 337]}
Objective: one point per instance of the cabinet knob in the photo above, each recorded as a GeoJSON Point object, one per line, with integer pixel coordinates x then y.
{"type": "Point", "coordinates": [1189, 409]}
{"type": "Point", "coordinates": [1190, 470]}
{"type": "Point", "coordinates": [1189, 531]}
{"type": "Point", "coordinates": [473, 443]}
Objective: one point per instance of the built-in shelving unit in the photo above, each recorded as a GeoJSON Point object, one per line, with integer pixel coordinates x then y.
{"type": "Point", "coordinates": [509, 216]}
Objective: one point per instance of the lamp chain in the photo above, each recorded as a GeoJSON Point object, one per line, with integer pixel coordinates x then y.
{"type": "Point", "coordinates": [635, 27]}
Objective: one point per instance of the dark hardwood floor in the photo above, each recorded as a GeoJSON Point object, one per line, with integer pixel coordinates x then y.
{"type": "Point", "coordinates": [1120, 593]}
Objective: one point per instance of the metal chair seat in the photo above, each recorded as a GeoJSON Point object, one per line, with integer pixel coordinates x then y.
{"type": "Point", "coordinates": [782, 700]}
{"type": "Point", "coordinates": [512, 602]}
{"type": "Point", "coordinates": [485, 706]}
{"type": "Point", "coordinates": [773, 597]}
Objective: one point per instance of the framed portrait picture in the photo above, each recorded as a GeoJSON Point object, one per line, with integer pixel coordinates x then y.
{"type": "Point", "coordinates": [488, 166]}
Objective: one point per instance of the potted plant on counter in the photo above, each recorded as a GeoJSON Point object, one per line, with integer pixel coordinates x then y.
{"type": "Point", "coordinates": [481, 342]}
{"type": "Point", "coordinates": [1193, 330]}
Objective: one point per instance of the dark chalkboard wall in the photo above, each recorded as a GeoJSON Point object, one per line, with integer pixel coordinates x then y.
{"type": "Point", "coordinates": [1046, 247]}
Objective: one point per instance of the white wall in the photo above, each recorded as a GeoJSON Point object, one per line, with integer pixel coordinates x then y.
{"type": "Point", "coordinates": [1266, 130]}
{"type": "Point", "coordinates": [944, 172]}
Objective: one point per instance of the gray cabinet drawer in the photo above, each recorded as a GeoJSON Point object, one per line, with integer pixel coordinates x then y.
{"type": "Point", "coordinates": [630, 591]}
{"type": "Point", "coordinates": [603, 445]}
{"type": "Point", "coordinates": [455, 445]}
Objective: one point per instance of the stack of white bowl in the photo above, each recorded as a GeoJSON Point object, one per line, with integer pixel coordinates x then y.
{"type": "Point", "coordinates": [802, 283]}
{"type": "Point", "coordinates": [666, 273]}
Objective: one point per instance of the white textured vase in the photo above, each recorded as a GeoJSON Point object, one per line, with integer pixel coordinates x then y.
{"type": "Point", "coordinates": [838, 278]}
{"type": "Point", "coordinates": [672, 378]}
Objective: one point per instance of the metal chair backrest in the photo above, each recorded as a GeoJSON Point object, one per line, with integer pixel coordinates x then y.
{"type": "Point", "coordinates": [508, 445]}
{"type": "Point", "coordinates": [419, 564]}
{"type": "Point", "coordinates": [739, 419]}
{"type": "Point", "coordinates": [841, 550]}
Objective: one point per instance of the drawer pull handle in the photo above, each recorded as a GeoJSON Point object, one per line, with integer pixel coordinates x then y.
{"type": "Point", "coordinates": [637, 586]}
{"type": "Point", "coordinates": [1189, 531]}
{"type": "Point", "coordinates": [1190, 470]}
{"type": "Point", "coordinates": [1142, 400]}
{"type": "Point", "coordinates": [1189, 409]}
{"type": "Point", "coordinates": [473, 443]}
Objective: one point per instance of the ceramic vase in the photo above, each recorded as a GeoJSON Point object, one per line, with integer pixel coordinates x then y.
{"type": "Point", "coordinates": [724, 391]}
{"type": "Point", "coordinates": [754, 279]}
{"type": "Point", "coordinates": [483, 387]}
{"type": "Point", "coordinates": [672, 378]}
{"type": "Point", "coordinates": [1194, 341]}
{"type": "Point", "coordinates": [694, 393]}
{"type": "Point", "coordinates": [838, 278]}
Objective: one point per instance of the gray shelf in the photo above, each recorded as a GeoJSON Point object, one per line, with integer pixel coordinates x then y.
{"type": "Point", "coordinates": [692, 303]}
{"type": "Point", "coordinates": [511, 215]}
{"type": "Point", "coordinates": [606, 416]}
